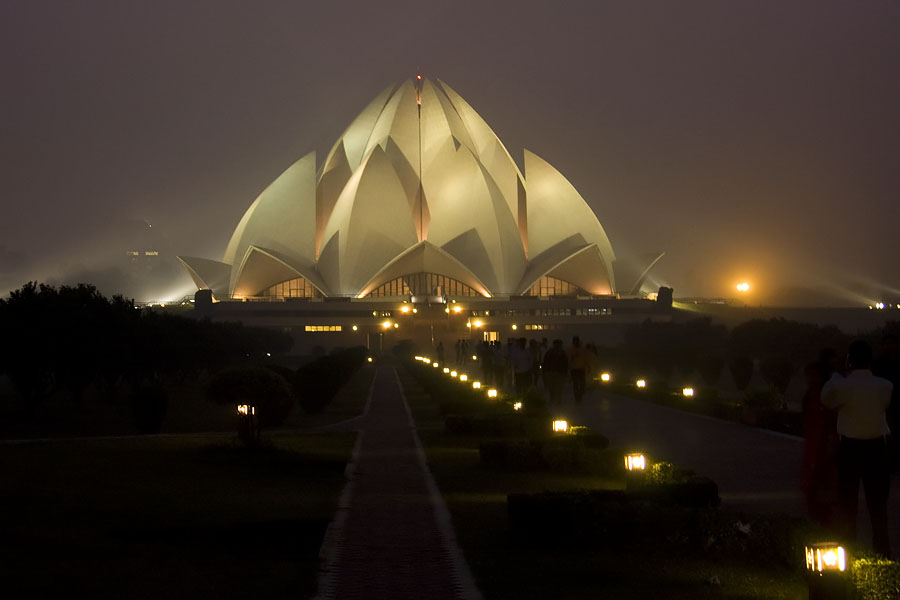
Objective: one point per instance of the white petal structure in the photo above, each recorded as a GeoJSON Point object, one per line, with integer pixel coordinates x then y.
{"type": "Point", "coordinates": [418, 196]}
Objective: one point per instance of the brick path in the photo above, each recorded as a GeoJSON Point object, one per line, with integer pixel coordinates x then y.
{"type": "Point", "coordinates": [391, 537]}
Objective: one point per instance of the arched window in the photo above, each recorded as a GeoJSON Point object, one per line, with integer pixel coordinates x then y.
{"type": "Point", "coordinates": [292, 288]}
{"type": "Point", "coordinates": [423, 284]}
{"type": "Point", "coordinates": [551, 286]}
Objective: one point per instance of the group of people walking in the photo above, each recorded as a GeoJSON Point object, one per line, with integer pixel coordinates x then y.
{"type": "Point", "coordinates": [521, 364]}
{"type": "Point", "coordinates": [847, 409]}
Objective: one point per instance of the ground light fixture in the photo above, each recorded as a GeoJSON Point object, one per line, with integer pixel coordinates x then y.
{"type": "Point", "coordinates": [492, 393]}
{"type": "Point", "coordinates": [435, 364]}
{"type": "Point", "coordinates": [453, 373]}
{"type": "Point", "coordinates": [560, 426]}
{"type": "Point", "coordinates": [641, 383]}
{"type": "Point", "coordinates": [418, 357]}
{"type": "Point", "coordinates": [355, 328]}
{"type": "Point", "coordinates": [368, 359]}
{"type": "Point", "coordinates": [463, 377]}
{"type": "Point", "coordinates": [446, 369]}
{"type": "Point", "coordinates": [246, 409]}
{"type": "Point", "coordinates": [427, 361]}
{"type": "Point", "coordinates": [825, 557]}
{"type": "Point", "coordinates": [476, 385]}
{"type": "Point", "coordinates": [635, 462]}
{"type": "Point", "coordinates": [605, 377]}
{"type": "Point", "coordinates": [826, 572]}
{"type": "Point", "coordinates": [687, 392]}
{"type": "Point", "coordinates": [517, 406]}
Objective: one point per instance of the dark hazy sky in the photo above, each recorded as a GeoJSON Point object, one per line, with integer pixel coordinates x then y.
{"type": "Point", "coordinates": [748, 139]}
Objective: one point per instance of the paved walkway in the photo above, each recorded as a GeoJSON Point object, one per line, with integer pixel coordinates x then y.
{"type": "Point", "coordinates": [391, 537]}
{"type": "Point", "coordinates": [756, 470]}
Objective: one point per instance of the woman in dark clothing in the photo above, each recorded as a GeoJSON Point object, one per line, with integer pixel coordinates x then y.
{"type": "Point", "coordinates": [819, 475]}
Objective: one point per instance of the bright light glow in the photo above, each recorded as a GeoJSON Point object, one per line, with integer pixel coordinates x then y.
{"type": "Point", "coordinates": [244, 409]}
{"type": "Point", "coordinates": [355, 328]}
{"type": "Point", "coordinates": [447, 310]}
{"type": "Point", "coordinates": [386, 325]}
{"type": "Point", "coordinates": [463, 377]}
{"type": "Point", "coordinates": [457, 308]}
{"type": "Point", "coordinates": [396, 325]}
{"type": "Point", "coordinates": [605, 377]}
{"type": "Point", "coordinates": [415, 310]}
{"type": "Point", "coordinates": [517, 406]}
{"type": "Point", "coordinates": [404, 309]}
{"type": "Point", "coordinates": [446, 369]}
{"type": "Point", "coordinates": [474, 357]}
{"type": "Point", "coordinates": [468, 324]}
{"type": "Point", "coordinates": [879, 305]}
{"type": "Point", "coordinates": [427, 361]}
{"type": "Point", "coordinates": [743, 287]}
{"type": "Point", "coordinates": [514, 326]}
{"type": "Point", "coordinates": [453, 373]}
{"type": "Point", "coordinates": [369, 359]}
{"type": "Point", "coordinates": [688, 392]}
{"type": "Point", "coordinates": [492, 393]}
{"type": "Point", "coordinates": [478, 323]}
{"type": "Point", "coordinates": [827, 556]}
{"type": "Point", "coordinates": [476, 385]}
{"type": "Point", "coordinates": [635, 462]}
{"type": "Point", "coordinates": [435, 365]}
{"type": "Point", "coordinates": [560, 426]}
{"type": "Point", "coordinates": [418, 357]}
{"type": "Point", "coordinates": [641, 383]}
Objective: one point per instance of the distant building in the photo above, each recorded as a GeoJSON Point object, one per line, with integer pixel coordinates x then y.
{"type": "Point", "coordinates": [419, 201]}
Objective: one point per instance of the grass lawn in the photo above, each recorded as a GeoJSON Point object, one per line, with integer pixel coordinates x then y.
{"type": "Point", "coordinates": [506, 566]}
{"type": "Point", "coordinates": [179, 517]}
{"type": "Point", "coordinates": [184, 516]}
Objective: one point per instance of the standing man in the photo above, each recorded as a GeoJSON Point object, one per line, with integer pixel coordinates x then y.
{"type": "Point", "coordinates": [861, 400]}
{"type": "Point", "coordinates": [520, 361]}
{"type": "Point", "coordinates": [579, 363]}
{"type": "Point", "coordinates": [555, 367]}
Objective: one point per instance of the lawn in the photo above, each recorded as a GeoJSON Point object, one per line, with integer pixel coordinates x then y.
{"type": "Point", "coordinates": [176, 517]}
{"type": "Point", "coordinates": [507, 566]}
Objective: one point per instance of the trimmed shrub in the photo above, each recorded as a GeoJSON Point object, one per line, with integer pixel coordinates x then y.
{"type": "Point", "coordinates": [876, 578]}
{"type": "Point", "coordinates": [256, 386]}
{"type": "Point", "coordinates": [741, 368]}
{"type": "Point", "coordinates": [777, 371]}
{"type": "Point", "coordinates": [317, 382]}
{"type": "Point", "coordinates": [589, 437]}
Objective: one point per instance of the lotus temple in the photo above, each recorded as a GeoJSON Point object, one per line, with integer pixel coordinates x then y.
{"type": "Point", "coordinates": [418, 223]}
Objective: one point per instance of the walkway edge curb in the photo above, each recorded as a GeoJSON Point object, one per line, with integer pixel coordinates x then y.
{"type": "Point", "coordinates": [332, 541]}
{"type": "Point", "coordinates": [465, 581]}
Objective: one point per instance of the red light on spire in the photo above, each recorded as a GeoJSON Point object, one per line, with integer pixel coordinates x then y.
{"type": "Point", "coordinates": [419, 77]}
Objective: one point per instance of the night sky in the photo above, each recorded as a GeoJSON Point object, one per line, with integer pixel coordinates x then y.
{"type": "Point", "coordinates": [754, 140]}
